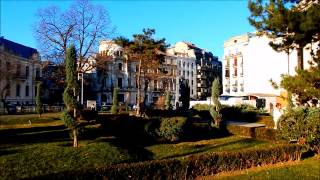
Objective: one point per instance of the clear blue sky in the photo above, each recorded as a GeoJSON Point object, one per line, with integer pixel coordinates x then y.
{"type": "Point", "coordinates": [205, 23]}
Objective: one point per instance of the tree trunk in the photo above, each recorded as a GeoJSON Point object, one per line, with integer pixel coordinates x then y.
{"type": "Point", "coordinates": [75, 138]}
{"type": "Point", "coordinates": [300, 57]}
{"type": "Point", "coordinates": [138, 89]}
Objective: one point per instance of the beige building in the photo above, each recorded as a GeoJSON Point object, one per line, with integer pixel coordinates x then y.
{"type": "Point", "coordinates": [121, 72]}
{"type": "Point", "coordinates": [20, 72]}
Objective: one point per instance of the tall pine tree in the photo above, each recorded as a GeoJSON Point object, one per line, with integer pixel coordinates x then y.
{"type": "Point", "coordinates": [148, 52]}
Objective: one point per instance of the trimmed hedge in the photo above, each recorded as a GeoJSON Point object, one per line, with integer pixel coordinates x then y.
{"type": "Point", "coordinates": [189, 167]}
{"type": "Point", "coordinates": [254, 132]}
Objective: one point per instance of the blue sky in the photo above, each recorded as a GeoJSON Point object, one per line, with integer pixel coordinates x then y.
{"type": "Point", "coordinates": [205, 23]}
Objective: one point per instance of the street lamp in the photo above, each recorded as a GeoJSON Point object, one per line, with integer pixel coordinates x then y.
{"type": "Point", "coordinates": [80, 76]}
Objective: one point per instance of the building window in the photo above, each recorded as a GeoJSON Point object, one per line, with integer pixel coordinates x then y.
{"type": "Point", "coordinates": [120, 66]}
{"type": "Point", "coordinates": [121, 97]}
{"type": "Point", "coordinates": [27, 91]}
{"type": "Point", "coordinates": [35, 90]}
{"type": "Point", "coordinates": [120, 82]}
{"type": "Point", "coordinates": [38, 73]}
{"type": "Point", "coordinates": [18, 90]}
{"type": "Point", "coordinates": [27, 71]}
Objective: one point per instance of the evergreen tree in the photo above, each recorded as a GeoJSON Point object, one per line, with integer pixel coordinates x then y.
{"type": "Point", "coordinates": [39, 107]}
{"type": "Point", "coordinates": [115, 102]}
{"type": "Point", "coordinates": [292, 24]}
{"type": "Point", "coordinates": [149, 53]}
{"type": "Point", "coordinates": [215, 109]}
{"type": "Point", "coordinates": [70, 95]}
{"type": "Point", "coordinates": [184, 94]}
{"type": "Point", "coordinates": [167, 102]}
{"type": "Point", "coordinates": [288, 20]}
{"type": "Point", "coordinates": [305, 84]}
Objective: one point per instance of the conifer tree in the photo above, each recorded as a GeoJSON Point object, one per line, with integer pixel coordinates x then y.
{"type": "Point", "coordinates": [295, 24]}
{"type": "Point", "coordinates": [167, 102]}
{"type": "Point", "coordinates": [215, 109]}
{"type": "Point", "coordinates": [148, 52]}
{"type": "Point", "coordinates": [115, 102]}
{"type": "Point", "coordinates": [39, 107]}
{"type": "Point", "coordinates": [70, 95]}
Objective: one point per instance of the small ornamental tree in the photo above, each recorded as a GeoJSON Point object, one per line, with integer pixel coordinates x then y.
{"type": "Point", "coordinates": [69, 115]}
{"type": "Point", "coordinates": [115, 102]}
{"type": "Point", "coordinates": [39, 108]}
{"type": "Point", "coordinates": [215, 109]}
{"type": "Point", "coordinates": [167, 102]}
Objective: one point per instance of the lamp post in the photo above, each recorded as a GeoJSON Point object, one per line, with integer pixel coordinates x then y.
{"type": "Point", "coordinates": [80, 76]}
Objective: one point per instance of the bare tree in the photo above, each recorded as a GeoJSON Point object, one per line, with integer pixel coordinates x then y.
{"type": "Point", "coordinates": [83, 25]}
{"type": "Point", "coordinates": [7, 72]}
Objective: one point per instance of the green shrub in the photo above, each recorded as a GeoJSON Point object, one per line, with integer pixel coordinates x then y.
{"type": "Point", "coordinates": [302, 125]}
{"type": "Point", "coordinates": [172, 129]}
{"type": "Point", "coordinates": [242, 112]}
{"type": "Point", "coordinates": [187, 168]}
{"type": "Point", "coordinates": [254, 132]}
{"type": "Point", "coordinates": [267, 120]}
{"type": "Point", "coordinates": [201, 107]}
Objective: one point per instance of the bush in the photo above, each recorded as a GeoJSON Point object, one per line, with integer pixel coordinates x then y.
{"type": "Point", "coordinates": [254, 132]}
{"type": "Point", "coordinates": [201, 107]}
{"type": "Point", "coordinates": [267, 120]}
{"type": "Point", "coordinates": [242, 112]}
{"type": "Point", "coordinates": [187, 168]}
{"type": "Point", "coordinates": [302, 125]}
{"type": "Point", "coordinates": [172, 129]}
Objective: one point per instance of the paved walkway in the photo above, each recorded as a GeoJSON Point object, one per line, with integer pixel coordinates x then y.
{"type": "Point", "coordinates": [245, 124]}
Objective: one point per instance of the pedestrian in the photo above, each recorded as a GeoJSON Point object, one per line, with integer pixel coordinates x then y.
{"type": "Point", "coordinates": [277, 112]}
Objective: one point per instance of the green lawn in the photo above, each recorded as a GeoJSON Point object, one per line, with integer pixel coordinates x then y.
{"type": "Point", "coordinates": [35, 151]}
{"type": "Point", "coordinates": [231, 143]}
{"type": "Point", "coordinates": [305, 169]}
{"type": "Point", "coordinates": [29, 120]}
{"type": "Point", "coordinates": [45, 147]}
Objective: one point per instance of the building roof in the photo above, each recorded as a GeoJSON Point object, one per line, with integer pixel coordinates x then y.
{"type": "Point", "coordinates": [17, 49]}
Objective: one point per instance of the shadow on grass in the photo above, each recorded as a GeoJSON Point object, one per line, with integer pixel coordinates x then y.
{"type": "Point", "coordinates": [34, 135]}
{"type": "Point", "coordinates": [233, 145]}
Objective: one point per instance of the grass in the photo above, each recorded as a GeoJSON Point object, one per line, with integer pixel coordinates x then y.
{"type": "Point", "coordinates": [45, 147]}
{"type": "Point", "coordinates": [29, 120]}
{"type": "Point", "coordinates": [231, 143]}
{"type": "Point", "coordinates": [305, 169]}
{"type": "Point", "coordinates": [36, 151]}
{"type": "Point", "coordinates": [43, 158]}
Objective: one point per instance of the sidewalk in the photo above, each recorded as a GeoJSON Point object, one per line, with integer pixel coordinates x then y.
{"type": "Point", "coordinates": [245, 124]}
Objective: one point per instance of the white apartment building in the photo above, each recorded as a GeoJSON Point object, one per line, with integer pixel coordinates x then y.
{"type": "Point", "coordinates": [186, 69]}
{"type": "Point", "coordinates": [197, 66]}
{"type": "Point", "coordinates": [21, 71]}
{"type": "Point", "coordinates": [250, 63]}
